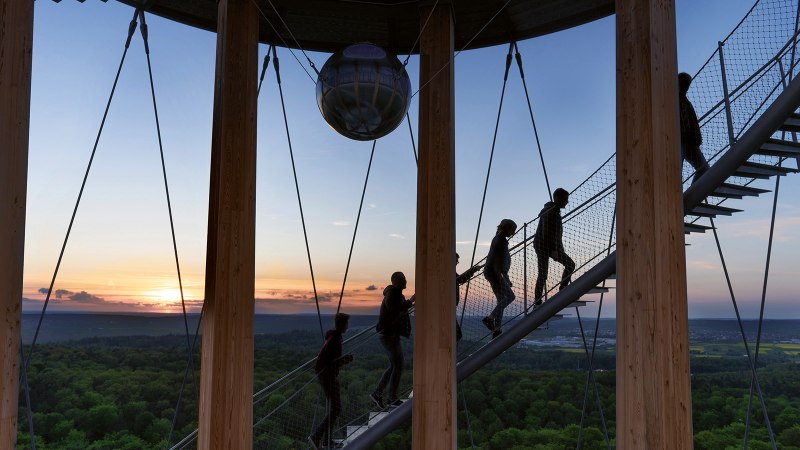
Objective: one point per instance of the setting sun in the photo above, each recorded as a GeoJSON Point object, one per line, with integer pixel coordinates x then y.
{"type": "Point", "coordinates": [169, 295]}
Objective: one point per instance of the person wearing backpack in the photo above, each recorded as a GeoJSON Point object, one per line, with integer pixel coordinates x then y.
{"type": "Point", "coordinates": [393, 322]}
{"type": "Point", "coordinates": [329, 361]}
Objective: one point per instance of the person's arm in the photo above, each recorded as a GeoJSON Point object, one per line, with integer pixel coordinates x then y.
{"type": "Point", "coordinates": [343, 360]}
{"type": "Point", "coordinates": [464, 277]}
{"type": "Point", "coordinates": [407, 304]}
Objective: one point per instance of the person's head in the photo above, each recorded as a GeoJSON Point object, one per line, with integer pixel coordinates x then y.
{"type": "Point", "coordinates": [561, 197]}
{"type": "Point", "coordinates": [684, 81]}
{"type": "Point", "coordinates": [341, 322]}
{"type": "Point", "coordinates": [399, 280]}
{"type": "Point", "coordinates": [507, 227]}
{"type": "Point", "coordinates": [457, 257]}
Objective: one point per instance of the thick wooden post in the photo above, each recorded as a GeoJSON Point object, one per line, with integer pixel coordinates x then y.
{"type": "Point", "coordinates": [16, 45]}
{"type": "Point", "coordinates": [434, 412]}
{"type": "Point", "coordinates": [653, 390]}
{"type": "Point", "coordinates": [226, 383]}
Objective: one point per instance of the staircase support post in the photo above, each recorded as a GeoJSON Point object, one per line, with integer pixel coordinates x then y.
{"type": "Point", "coordinates": [653, 386]}
{"type": "Point", "coordinates": [225, 419]}
{"type": "Point", "coordinates": [434, 407]}
{"type": "Point", "coordinates": [726, 93]}
{"type": "Point", "coordinates": [16, 47]}
{"type": "Point", "coordinates": [525, 268]}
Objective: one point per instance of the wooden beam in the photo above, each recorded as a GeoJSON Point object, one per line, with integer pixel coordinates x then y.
{"type": "Point", "coordinates": [434, 408]}
{"type": "Point", "coordinates": [226, 383]}
{"type": "Point", "coordinates": [654, 408]}
{"type": "Point", "coordinates": [16, 46]}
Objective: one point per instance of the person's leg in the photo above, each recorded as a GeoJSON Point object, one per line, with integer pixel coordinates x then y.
{"type": "Point", "coordinates": [335, 398]}
{"type": "Point", "coordinates": [397, 369]}
{"type": "Point", "coordinates": [542, 265]}
{"type": "Point", "coordinates": [321, 429]}
{"type": "Point", "coordinates": [696, 158]}
{"type": "Point", "coordinates": [569, 267]}
{"type": "Point", "coordinates": [384, 380]}
{"type": "Point", "coordinates": [491, 320]}
{"type": "Point", "coordinates": [505, 299]}
{"type": "Point", "coordinates": [683, 158]}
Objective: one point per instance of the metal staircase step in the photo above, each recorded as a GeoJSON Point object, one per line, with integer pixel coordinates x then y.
{"type": "Point", "coordinates": [597, 290]}
{"type": "Point", "coordinates": [577, 304]}
{"type": "Point", "coordinates": [694, 228]}
{"type": "Point", "coordinates": [778, 147]}
{"type": "Point", "coordinates": [791, 124]}
{"type": "Point", "coordinates": [762, 171]}
{"type": "Point", "coordinates": [354, 431]}
{"type": "Point", "coordinates": [729, 190]}
{"type": "Point", "coordinates": [708, 210]}
{"type": "Point", "coordinates": [376, 416]}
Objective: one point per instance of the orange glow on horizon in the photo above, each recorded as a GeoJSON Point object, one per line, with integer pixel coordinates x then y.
{"type": "Point", "coordinates": [167, 295]}
{"type": "Point", "coordinates": [152, 294]}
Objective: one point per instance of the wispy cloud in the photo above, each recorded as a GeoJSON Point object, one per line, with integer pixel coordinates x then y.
{"type": "Point", "coordinates": [696, 264]}
{"type": "Point", "coordinates": [785, 228]}
{"type": "Point", "coordinates": [396, 236]}
{"type": "Point", "coordinates": [371, 205]}
{"type": "Point", "coordinates": [288, 298]}
{"type": "Point", "coordinates": [68, 300]}
{"type": "Point", "coordinates": [340, 223]}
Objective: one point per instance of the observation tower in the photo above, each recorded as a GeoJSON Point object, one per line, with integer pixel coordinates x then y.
{"type": "Point", "coordinates": [653, 393]}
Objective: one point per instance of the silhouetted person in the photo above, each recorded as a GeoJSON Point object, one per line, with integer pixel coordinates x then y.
{"type": "Point", "coordinates": [498, 261]}
{"type": "Point", "coordinates": [393, 323]}
{"type": "Point", "coordinates": [547, 243]}
{"type": "Point", "coordinates": [329, 361]}
{"type": "Point", "coordinates": [461, 279]}
{"type": "Point", "coordinates": [691, 137]}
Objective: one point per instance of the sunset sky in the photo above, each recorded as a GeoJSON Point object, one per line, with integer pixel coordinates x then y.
{"type": "Point", "coordinates": [120, 256]}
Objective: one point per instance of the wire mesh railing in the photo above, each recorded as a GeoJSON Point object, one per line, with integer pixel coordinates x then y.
{"type": "Point", "coordinates": [744, 76]}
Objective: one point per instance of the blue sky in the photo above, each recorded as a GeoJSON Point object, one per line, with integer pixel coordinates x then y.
{"type": "Point", "coordinates": [120, 252]}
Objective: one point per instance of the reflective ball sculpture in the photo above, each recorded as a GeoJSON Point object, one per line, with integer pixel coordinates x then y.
{"type": "Point", "coordinates": [363, 92]}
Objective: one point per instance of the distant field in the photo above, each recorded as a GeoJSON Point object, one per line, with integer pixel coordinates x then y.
{"type": "Point", "coordinates": [707, 337]}
{"type": "Point", "coordinates": [574, 350]}
{"type": "Point", "coordinates": [789, 349]}
{"type": "Point", "coordinates": [713, 349]}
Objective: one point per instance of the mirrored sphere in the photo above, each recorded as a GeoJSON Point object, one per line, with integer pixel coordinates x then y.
{"type": "Point", "coordinates": [363, 92]}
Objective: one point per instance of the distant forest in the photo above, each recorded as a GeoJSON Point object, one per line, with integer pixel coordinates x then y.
{"type": "Point", "coordinates": [121, 392]}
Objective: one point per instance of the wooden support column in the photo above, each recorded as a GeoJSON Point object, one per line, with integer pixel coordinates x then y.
{"type": "Point", "coordinates": [653, 389]}
{"type": "Point", "coordinates": [434, 411]}
{"type": "Point", "coordinates": [16, 45]}
{"type": "Point", "coordinates": [226, 383]}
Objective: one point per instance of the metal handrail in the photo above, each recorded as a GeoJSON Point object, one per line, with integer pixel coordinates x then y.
{"type": "Point", "coordinates": [773, 60]}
